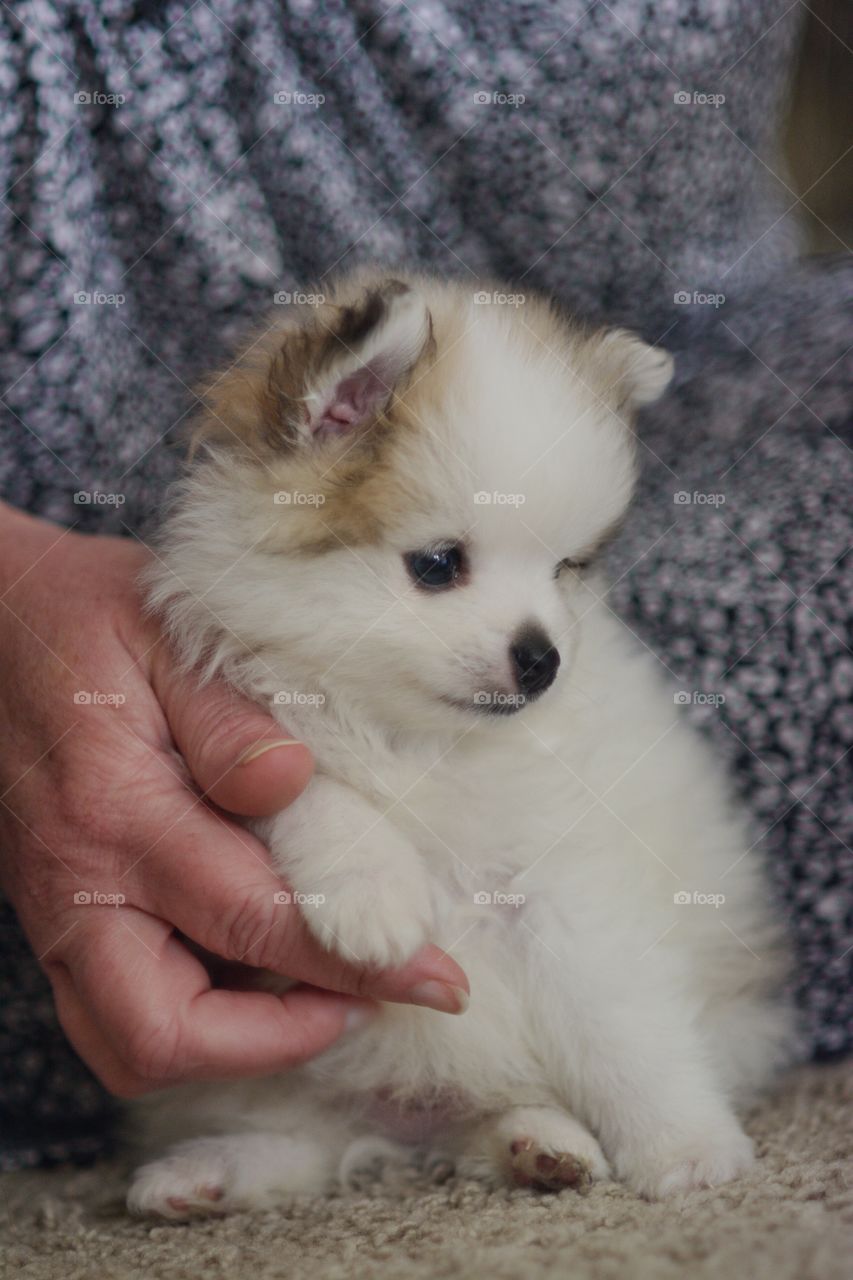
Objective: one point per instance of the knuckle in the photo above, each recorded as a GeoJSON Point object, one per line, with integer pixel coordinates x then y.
{"type": "Point", "coordinates": [152, 1053]}
{"type": "Point", "coordinates": [250, 933]}
{"type": "Point", "coordinates": [216, 725]}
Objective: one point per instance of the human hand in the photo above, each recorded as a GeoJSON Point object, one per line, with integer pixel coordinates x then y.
{"type": "Point", "coordinates": [107, 752]}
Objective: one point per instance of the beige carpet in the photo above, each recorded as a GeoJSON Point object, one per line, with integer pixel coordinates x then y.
{"type": "Point", "coordinates": [791, 1220]}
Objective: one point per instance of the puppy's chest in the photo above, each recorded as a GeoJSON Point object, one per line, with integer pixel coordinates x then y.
{"type": "Point", "coordinates": [484, 816]}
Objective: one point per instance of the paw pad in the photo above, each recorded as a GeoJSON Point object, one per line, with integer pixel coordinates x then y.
{"type": "Point", "coordinates": [545, 1170]}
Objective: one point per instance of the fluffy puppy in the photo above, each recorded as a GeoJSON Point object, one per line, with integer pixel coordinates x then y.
{"type": "Point", "coordinates": [389, 536]}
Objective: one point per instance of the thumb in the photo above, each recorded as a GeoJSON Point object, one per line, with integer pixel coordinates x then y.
{"type": "Point", "coordinates": [238, 755]}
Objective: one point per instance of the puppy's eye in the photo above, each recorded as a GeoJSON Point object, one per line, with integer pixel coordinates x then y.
{"type": "Point", "coordinates": [435, 568]}
{"type": "Point", "coordinates": [568, 563]}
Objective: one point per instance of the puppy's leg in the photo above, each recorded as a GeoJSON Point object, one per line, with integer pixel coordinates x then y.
{"type": "Point", "coordinates": [364, 890]}
{"type": "Point", "coordinates": [541, 1147]}
{"type": "Point", "coordinates": [637, 1070]}
{"type": "Point", "coordinates": [219, 1175]}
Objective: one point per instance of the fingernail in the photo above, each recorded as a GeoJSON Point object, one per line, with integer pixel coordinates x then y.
{"type": "Point", "coordinates": [358, 1016]}
{"type": "Point", "coordinates": [440, 996]}
{"type": "Point", "coordinates": [260, 748]}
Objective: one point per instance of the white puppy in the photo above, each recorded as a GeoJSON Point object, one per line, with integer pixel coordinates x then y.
{"type": "Point", "coordinates": [389, 536]}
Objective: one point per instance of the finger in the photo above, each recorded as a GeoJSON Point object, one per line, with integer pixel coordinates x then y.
{"type": "Point", "coordinates": [214, 882]}
{"type": "Point", "coordinates": [237, 754]}
{"type": "Point", "coordinates": [88, 1040]}
{"type": "Point", "coordinates": [158, 1021]}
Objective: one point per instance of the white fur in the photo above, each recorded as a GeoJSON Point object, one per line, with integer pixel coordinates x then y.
{"type": "Point", "coordinates": [599, 1006]}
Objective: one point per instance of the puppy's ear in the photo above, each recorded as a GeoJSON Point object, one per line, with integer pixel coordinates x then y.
{"type": "Point", "coordinates": [370, 350]}
{"type": "Point", "coordinates": [325, 375]}
{"type": "Point", "coordinates": [638, 374]}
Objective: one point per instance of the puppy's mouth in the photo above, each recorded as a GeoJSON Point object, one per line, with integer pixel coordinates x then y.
{"type": "Point", "coordinates": [492, 702]}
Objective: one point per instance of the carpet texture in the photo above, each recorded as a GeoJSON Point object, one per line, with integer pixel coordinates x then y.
{"type": "Point", "coordinates": [792, 1219]}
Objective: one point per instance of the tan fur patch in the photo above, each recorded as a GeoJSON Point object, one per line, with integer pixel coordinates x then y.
{"type": "Point", "coordinates": [350, 491]}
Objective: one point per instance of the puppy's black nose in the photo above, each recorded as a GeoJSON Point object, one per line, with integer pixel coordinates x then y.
{"type": "Point", "coordinates": [535, 661]}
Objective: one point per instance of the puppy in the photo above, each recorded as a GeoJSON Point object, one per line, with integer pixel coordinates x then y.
{"type": "Point", "coordinates": [389, 535]}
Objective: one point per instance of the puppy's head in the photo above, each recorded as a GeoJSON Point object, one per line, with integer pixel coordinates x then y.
{"type": "Point", "coordinates": [396, 497]}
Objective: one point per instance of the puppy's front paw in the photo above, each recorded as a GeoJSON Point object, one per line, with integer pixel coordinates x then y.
{"type": "Point", "coordinates": [377, 920]}
{"type": "Point", "coordinates": [683, 1166]}
{"type": "Point", "coordinates": [188, 1184]}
